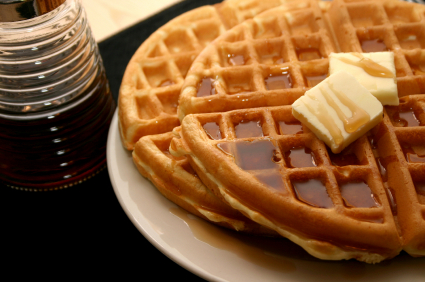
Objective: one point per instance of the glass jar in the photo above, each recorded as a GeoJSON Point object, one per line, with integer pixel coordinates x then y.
{"type": "Point", "coordinates": [55, 102]}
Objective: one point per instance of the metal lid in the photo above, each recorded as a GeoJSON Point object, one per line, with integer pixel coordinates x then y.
{"type": "Point", "coordinates": [18, 10]}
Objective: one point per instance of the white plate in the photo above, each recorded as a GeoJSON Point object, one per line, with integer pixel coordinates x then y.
{"type": "Point", "coordinates": [216, 254]}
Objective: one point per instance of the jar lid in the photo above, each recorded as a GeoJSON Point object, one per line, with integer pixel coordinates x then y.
{"type": "Point", "coordinates": [19, 10]}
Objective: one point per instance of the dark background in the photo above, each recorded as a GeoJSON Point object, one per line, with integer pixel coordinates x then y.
{"type": "Point", "coordinates": [83, 231]}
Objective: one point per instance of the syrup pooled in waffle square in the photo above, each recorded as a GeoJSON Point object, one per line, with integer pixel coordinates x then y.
{"type": "Point", "coordinates": [178, 182]}
{"type": "Point", "coordinates": [153, 78]}
{"type": "Point", "coordinates": [264, 163]}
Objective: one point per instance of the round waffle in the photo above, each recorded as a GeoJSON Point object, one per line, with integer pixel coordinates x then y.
{"type": "Point", "coordinates": [365, 203]}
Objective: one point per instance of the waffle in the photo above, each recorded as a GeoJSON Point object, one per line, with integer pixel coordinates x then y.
{"type": "Point", "coordinates": [291, 182]}
{"type": "Point", "coordinates": [273, 59]}
{"type": "Point", "coordinates": [149, 92]}
{"type": "Point", "coordinates": [177, 181]}
{"type": "Point", "coordinates": [237, 129]}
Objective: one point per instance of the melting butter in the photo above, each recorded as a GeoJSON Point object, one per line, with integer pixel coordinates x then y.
{"type": "Point", "coordinates": [369, 67]}
{"type": "Point", "coordinates": [375, 71]}
{"type": "Point", "coordinates": [359, 117]}
{"type": "Point", "coordinates": [338, 110]}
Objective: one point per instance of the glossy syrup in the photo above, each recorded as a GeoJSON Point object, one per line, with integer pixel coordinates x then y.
{"type": "Point", "coordinates": [358, 195]}
{"type": "Point", "coordinates": [206, 87]}
{"type": "Point", "coordinates": [300, 157]}
{"type": "Point", "coordinates": [254, 155]}
{"type": "Point", "coordinates": [312, 192]}
{"type": "Point", "coordinates": [369, 66]}
{"type": "Point", "coordinates": [262, 252]}
{"type": "Point", "coordinates": [358, 118]}
{"type": "Point", "coordinates": [59, 150]}
{"type": "Point", "coordinates": [308, 54]}
{"type": "Point", "coordinates": [414, 154]}
{"type": "Point", "coordinates": [246, 129]}
{"type": "Point", "coordinates": [281, 81]}
{"type": "Point", "coordinates": [343, 158]}
{"type": "Point", "coordinates": [373, 45]}
{"type": "Point", "coordinates": [290, 128]}
{"type": "Point", "coordinates": [260, 156]}
{"type": "Point", "coordinates": [382, 169]}
{"type": "Point", "coordinates": [405, 119]}
{"type": "Point", "coordinates": [273, 180]}
{"type": "Point", "coordinates": [235, 60]}
{"type": "Point", "coordinates": [166, 82]}
{"type": "Point", "coordinates": [213, 130]}
{"type": "Point", "coordinates": [312, 81]}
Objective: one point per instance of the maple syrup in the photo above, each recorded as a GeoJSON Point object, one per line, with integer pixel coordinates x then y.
{"type": "Point", "coordinates": [382, 170]}
{"type": "Point", "coordinates": [235, 60]}
{"type": "Point", "coordinates": [414, 154]}
{"type": "Point", "coordinates": [246, 129]}
{"type": "Point", "coordinates": [61, 149]}
{"type": "Point", "coordinates": [308, 54]}
{"type": "Point", "coordinates": [254, 155]}
{"type": "Point", "coordinates": [206, 87]}
{"type": "Point", "coordinates": [392, 200]}
{"type": "Point", "coordinates": [312, 81]}
{"type": "Point", "coordinates": [358, 195]}
{"type": "Point", "coordinates": [273, 180]}
{"type": "Point", "coordinates": [300, 157]}
{"type": "Point", "coordinates": [343, 158]}
{"type": "Point", "coordinates": [54, 127]}
{"type": "Point", "coordinates": [213, 130]}
{"type": "Point", "coordinates": [290, 128]}
{"type": "Point", "coordinates": [281, 81]}
{"type": "Point", "coordinates": [358, 118]}
{"type": "Point", "coordinates": [166, 82]}
{"type": "Point", "coordinates": [312, 192]}
{"type": "Point", "coordinates": [373, 45]}
{"type": "Point", "coordinates": [405, 119]}
{"type": "Point", "coordinates": [369, 66]}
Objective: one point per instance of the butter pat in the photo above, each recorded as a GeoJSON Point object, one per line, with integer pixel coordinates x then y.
{"type": "Point", "coordinates": [375, 71]}
{"type": "Point", "coordinates": [338, 110]}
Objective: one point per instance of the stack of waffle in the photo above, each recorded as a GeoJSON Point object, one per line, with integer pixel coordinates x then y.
{"type": "Point", "coordinates": [236, 155]}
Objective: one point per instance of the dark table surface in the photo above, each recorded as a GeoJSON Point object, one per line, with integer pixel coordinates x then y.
{"type": "Point", "coordinates": [83, 230]}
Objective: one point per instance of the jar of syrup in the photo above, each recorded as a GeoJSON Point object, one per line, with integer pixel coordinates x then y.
{"type": "Point", "coordinates": [55, 102]}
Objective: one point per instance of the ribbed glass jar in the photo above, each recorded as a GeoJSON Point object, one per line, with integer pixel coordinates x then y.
{"type": "Point", "coordinates": [55, 102]}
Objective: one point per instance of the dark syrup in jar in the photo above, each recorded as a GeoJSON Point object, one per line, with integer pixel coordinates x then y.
{"type": "Point", "coordinates": [58, 150]}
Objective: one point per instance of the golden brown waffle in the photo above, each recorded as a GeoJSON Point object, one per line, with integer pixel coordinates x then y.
{"type": "Point", "coordinates": [324, 215]}
{"type": "Point", "coordinates": [154, 76]}
{"type": "Point", "coordinates": [274, 58]}
{"type": "Point", "coordinates": [275, 171]}
{"type": "Point", "coordinates": [177, 181]}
